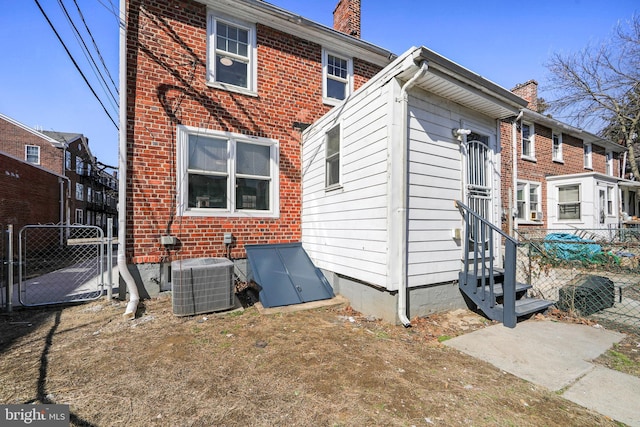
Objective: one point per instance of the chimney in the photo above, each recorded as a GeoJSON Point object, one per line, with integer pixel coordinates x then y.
{"type": "Point", "coordinates": [529, 92]}
{"type": "Point", "coordinates": [346, 17]}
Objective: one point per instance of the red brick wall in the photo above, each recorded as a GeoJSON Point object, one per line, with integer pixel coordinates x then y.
{"type": "Point", "coordinates": [572, 155]}
{"type": "Point", "coordinates": [166, 87]}
{"type": "Point", "coordinates": [13, 140]}
{"type": "Point", "coordinates": [29, 195]}
{"type": "Point", "coordinates": [346, 17]}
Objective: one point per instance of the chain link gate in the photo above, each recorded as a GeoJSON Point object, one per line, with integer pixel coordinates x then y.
{"type": "Point", "coordinates": [60, 264]}
{"type": "Point", "coordinates": [592, 273]}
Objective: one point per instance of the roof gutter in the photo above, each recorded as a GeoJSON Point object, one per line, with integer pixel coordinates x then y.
{"type": "Point", "coordinates": [403, 211]}
{"type": "Point", "coordinates": [134, 296]}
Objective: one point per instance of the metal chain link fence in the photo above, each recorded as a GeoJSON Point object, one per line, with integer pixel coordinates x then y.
{"type": "Point", "coordinates": [588, 273]}
{"type": "Point", "coordinates": [60, 264]}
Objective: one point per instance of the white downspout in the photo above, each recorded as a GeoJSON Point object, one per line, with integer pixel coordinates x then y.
{"type": "Point", "coordinates": [514, 168]}
{"type": "Point", "coordinates": [404, 214]}
{"type": "Point", "coordinates": [134, 297]}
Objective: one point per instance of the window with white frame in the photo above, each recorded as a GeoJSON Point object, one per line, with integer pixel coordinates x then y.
{"type": "Point", "coordinates": [528, 201]}
{"type": "Point", "coordinates": [32, 154]}
{"type": "Point", "coordinates": [556, 147]}
{"type": "Point", "coordinates": [67, 160]}
{"type": "Point", "coordinates": [226, 174]}
{"type": "Point", "coordinates": [569, 202]}
{"type": "Point", "coordinates": [79, 191]}
{"type": "Point", "coordinates": [608, 155]}
{"type": "Point", "coordinates": [588, 164]}
{"type": "Point", "coordinates": [79, 216]}
{"type": "Point", "coordinates": [527, 140]}
{"type": "Point", "coordinates": [610, 196]}
{"type": "Point", "coordinates": [232, 57]}
{"type": "Point", "coordinates": [332, 165]}
{"type": "Point", "coordinates": [337, 77]}
{"type": "Point", "coordinates": [79, 166]}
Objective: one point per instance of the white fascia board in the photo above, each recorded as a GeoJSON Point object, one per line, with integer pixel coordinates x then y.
{"type": "Point", "coordinates": [264, 13]}
{"type": "Point", "coordinates": [33, 131]}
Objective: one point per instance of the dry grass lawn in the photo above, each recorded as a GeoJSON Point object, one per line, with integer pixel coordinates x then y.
{"type": "Point", "coordinates": [322, 367]}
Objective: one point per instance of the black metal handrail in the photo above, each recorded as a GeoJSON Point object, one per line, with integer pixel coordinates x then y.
{"type": "Point", "coordinates": [481, 233]}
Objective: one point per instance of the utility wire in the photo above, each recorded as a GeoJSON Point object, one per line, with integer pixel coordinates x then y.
{"type": "Point", "coordinates": [88, 55]}
{"type": "Point", "coordinates": [75, 63]}
{"type": "Point", "coordinates": [95, 46]}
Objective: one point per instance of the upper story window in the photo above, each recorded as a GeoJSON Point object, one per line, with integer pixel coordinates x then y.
{"type": "Point", "coordinates": [79, 191]}
{"type": "Point", "coordinates": [569, 202]}
{"type": "Point", "coordinates": [588, 161]}
{"type": "Point", "coordinates": [528, 201]}
{"type": "Point", "coordinates": [79, 216]}
{"type": "Point", "coordinates": [556, 147]}
{"type": "Point", "coordinates": [32, 154]}
{"type": "Point", "coordinates": [231, 52]}
{"type": "Point", "coordinates": [79, 166]}
{"type": "Point", "coordinates": [225, 174]}
{"type": "Point", "coordinates": [67, 160]}
{"type": "Point", "coordinates": [527, 140]}
{"type": "Point", "coordinates": [609, 162]}
{"type": "Point", "coordinates": [332, 165]}
{"type": "Point", "coordinates": [337, 77]}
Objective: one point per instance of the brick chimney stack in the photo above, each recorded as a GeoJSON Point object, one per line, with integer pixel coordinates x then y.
{"type": "Point", "coordinates": [346, 17]}
{"type": "Point", "coordinates": [529, 92]}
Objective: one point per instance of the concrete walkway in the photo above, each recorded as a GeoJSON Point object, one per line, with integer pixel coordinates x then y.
{"type": "Point", "coordinates": [559, 356]}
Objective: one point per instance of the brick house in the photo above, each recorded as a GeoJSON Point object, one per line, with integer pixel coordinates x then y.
{"type": "Point", "coordinates": [556, 175]}
{"type": "Point", "coordinates": [218, 93]}
{"type": "Point", "coordinates": [68, 157]}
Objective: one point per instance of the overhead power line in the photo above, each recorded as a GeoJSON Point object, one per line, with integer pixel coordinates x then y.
{"type": "Point", "coordinates": [75, 63]}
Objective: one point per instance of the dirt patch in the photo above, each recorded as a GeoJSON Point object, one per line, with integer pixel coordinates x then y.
{"type": "Point", "coordinates": [329, 366]}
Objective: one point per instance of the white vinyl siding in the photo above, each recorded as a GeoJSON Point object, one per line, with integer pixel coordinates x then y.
{"type": "Point", "coordinates": [345, 230]}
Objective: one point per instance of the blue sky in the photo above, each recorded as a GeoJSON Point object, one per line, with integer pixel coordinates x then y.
{"type": "Point", "coordinates": [507, 42]}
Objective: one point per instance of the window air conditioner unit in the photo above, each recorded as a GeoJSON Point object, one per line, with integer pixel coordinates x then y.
{"type": "Point", "coordinates": [202, 285]}
{"type": "Point", "coordinates": [536, 216]}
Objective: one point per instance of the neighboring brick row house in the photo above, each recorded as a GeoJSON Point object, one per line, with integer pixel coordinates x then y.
{"type": "Point", "coordinates": [559, 176]}
{"type": "Point", "coordinates": [219, 94]}
{"type": "Point", "coordinates": [86, 192]}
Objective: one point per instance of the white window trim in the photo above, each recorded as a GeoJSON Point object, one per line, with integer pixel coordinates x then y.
{"type": "Point", "coordinates": [527, 214]}
{"type": "Point", "coordinates": [557, 202]}
{"type": "Point", "coordinates": [558, 158]}
{"type": "Point", "coordinates": [26, 153]}
{"type": "Point", "coordinates": [183, 133]}
{"type": "Point", "coordinates": [79, 216]}
{"type": "Point", "coordinates": [325, 98]}
{"type": "Point", "coordinates": [252, 69]}
{"type": "Point", "coordinates": [532, 142]}
{"type": "Point", "coordinates": [79, 191]}
{"type": "Point", "coordinates": [338, 184]}
{"type": "Point", "coordinates": [588, 155]}
{"type": "Point", "coordinates": [608, 155]}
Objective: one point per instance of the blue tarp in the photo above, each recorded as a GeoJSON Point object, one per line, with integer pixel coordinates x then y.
{"type": "Point", "coordinates": [571, 247]}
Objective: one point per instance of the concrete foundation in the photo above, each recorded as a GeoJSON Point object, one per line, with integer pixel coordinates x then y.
{"type": "Point", "coordinates": [383, 304]}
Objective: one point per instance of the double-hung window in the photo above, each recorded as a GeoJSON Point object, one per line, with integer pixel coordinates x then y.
{"type": "Point", "coordinates": [527, 140]}
{"type": "Point", "coordinates": [609, 162]}
{"type": "Point", "coordinates": [556, 147]}
{"type": "Point", "coordinates": [79, 166]}
{"type": "Point", "coordinates": [528, 201]}
{"type": "Point", "coordinates": [588, 161]}
{"type": "Point", "coordinates": [226, 174]}
{"type": "Point", "coordinates": [332, 165]}
{"type": "Point", "coordinates": [337, 77]}
{"type": "Point", "coordinates": [232, 54]}
{"type": "Point", "coordinates": [67, 160]}
{"type": "Point", "coordinates": [79, 191]}
{"type": "Point", "coordinates": [32, 154]}
{"type": "Point", "coordinates": [569, 202]}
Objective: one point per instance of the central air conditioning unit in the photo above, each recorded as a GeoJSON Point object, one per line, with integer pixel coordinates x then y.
{"type": "Point", "coordinates": [202, 285]}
